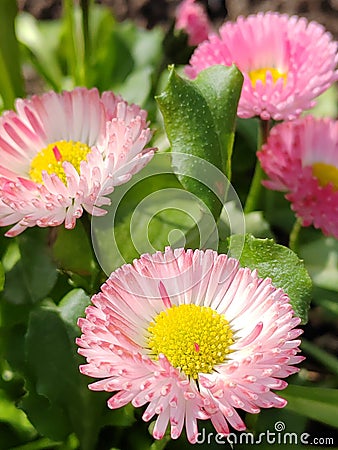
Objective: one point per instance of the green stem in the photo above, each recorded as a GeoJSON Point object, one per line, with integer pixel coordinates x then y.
{"type": "Point", "coordinates": [161, 444]}
{"type": "Point", "coordinates": [85, 5]}
{"type": "Point", "coordinates": [256, 187]}
{"type": "Point", "coordinates": [325, 358]}
{"type": "Point", "coordinates": [294, 236]}
{"type": "Point", "coordinates": [73, 52]}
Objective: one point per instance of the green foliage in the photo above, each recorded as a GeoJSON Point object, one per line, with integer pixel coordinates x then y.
{"type": "Point", "coordinates": [143, 213]}
{"type": "Point", "coordinates": [277, 262]}
{"type": "Point", "coordinates": [34, 269]}
{"type": "Point", "coordinates": [321, 259]}
{"type": "Point", "coordinates": [314, 402]}
{"type": "Point", "coordinates": [200, 117]}
{"type": "Point", "coordinates": [48, 275]}
{"type": "Point", "coordinates": [11, 80]}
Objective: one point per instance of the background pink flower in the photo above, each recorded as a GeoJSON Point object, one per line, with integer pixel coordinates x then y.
{"type": "Point", "coordinates": [192, 18]}
{"type": "Point", "coordinates": [63, 153]}
{"type": "Point", "coordinates": [193, 336]}
{"type": "Point", "coordinates": [301, 158]}
{"type": "Point", "coordinates": [286, 62]}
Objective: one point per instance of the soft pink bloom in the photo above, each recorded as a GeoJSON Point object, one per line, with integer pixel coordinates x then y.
{"type": "Point", "coordinates": [113, 132]}
{"type": "Point", "coordinates": [192, 18]}
{"type": "Point", "coordinates": [117, 340]}
{"type": "Point", "coordinates": [301, 158]}
{"type": "Point", "coordinates": [286, 62]}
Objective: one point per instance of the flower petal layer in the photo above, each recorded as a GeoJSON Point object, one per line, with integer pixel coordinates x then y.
{"type": "Point", "coordinates": [115, 132]}
{"type": "Point", "coordinates": [302, 52]}
{"type": "Point", "coordinates": [115, 340]}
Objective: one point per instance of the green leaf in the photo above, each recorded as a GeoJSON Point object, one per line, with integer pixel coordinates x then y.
{"type": "Point", "coordinates": [55, 379]}
{"type": "Point", "coordinates": [11, 80]}
{"type": "Point", "coordinates": [277, 262]}
{"type": "Point", "coordinates": [130, 88]}
{"type": "Point", "coordinates": [221, 88]}
{"type": "Point", "coordinates": [11, 414]}
{"type": "Point", "coordinates": [49, 419]}
{"type": "Point", "coordinates": [144, 45]}
{"type": "Point", "coordinates": [199, 118]}
{"type": "Point", "coordinates": [35, 270]}
{"type": "Point", "coordinates": [233, 221]}
{"type": "Point", "coordinates": [52, 360]}
{"type": "Point", "coordinates": [319, 404]}
{"type": "Point", "coordinates": [72, 306]}
{"type": "Point", "coordinates": [112, 61]}
{"type": "Point", "coordinates": [72, 250]}
{"type": "Point", "coordinates": [146, 214]}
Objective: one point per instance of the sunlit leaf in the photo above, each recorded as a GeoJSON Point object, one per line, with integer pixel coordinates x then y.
{"type": "Point", "coordinates": [277, 262]}
{"type": "Point", "coordinates": [199, 119]}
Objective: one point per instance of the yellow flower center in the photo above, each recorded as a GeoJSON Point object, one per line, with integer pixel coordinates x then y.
{"type": "Point", "coordinates": [193, 338]}
{"type": "Point", "coordinates": [325, 174]}
{"type": "Point", "coordinates": [51, 158]}
{"type": "Point", "coordinates": [260, 74]}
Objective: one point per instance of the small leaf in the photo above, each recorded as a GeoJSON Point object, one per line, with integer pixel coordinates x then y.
{"type": "Point", "coordinates": [199, 118]}
{"type": "Point", "coordinates": [130, 88]}
{"type": "Point", "coordinates": [72, 250]}
{"type": "Point", "coordinates": [54, 374]}
{"type": "Point", "coordinates": [34, 274]}
{"type": "Point", "coordinates": [11, 414]}
{"type": "Point", "coordinates": [277, 262]}
{"type": "Point", "coordinates": [319, 404]}
{"type": "Point", "coordinates": [49, 419]}
{"type": "Point", "coordinates": [72, 306]}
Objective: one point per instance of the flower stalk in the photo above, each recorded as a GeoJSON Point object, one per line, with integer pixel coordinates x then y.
{"type": "Point", "coordinates": [256, 188]}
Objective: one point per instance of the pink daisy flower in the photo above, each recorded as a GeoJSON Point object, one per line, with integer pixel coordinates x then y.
{"type": "Point", "coordinates": [286, 62]}
{"type": "Point", "coordinates": [301, 157]}
{"type": "Point", "coordinates": [192, 18]}
{"type": "Point", "coordinates": [63, 153]}
{"type": "Point", "coordinates": [193, 336]}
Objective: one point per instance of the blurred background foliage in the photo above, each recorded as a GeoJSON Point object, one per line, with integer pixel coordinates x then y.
{"type": "Point", "coordinates": [48, 276]}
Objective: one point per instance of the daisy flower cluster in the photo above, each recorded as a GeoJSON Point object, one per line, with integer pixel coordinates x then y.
{"type": "Point", "coordinates": [286, 62]}
{"type": "Point", "coordinates": [187, 335]}
{"type": "Point", "coordinates": [64, 153]}
{"type": "Point", "coordinates": [191, 335]}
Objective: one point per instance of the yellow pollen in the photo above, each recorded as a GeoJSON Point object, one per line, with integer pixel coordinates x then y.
{"type": "Point", "coordinates": [260, 74]}
{"type": "Point", "coordinates": [193, 338]}
{"type": "Point", "coordinates": [51, 158]}
{"type": "Point", "coordinates": [325, 174]}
